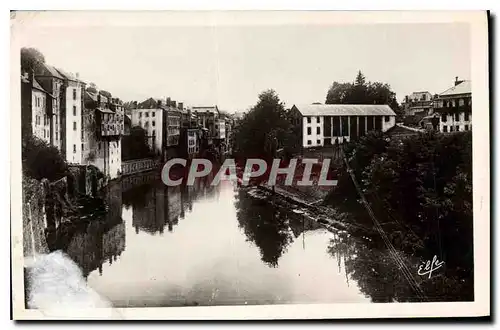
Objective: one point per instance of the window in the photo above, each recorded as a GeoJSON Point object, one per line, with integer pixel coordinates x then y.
{"type": "Point", "coordinates": [309, 142]}
{"type": "Point", "coordinates": [153, 122]}
{"type": "Point", "coordinates": [83, 147]}
{"type": "Point", "coordinates": [140, 114]}
{"type": "Point", "coordinates": [451, 128]}
{"type": "Point", "coordinates": [318, 130]}
{"type": "Point", "coordinates": [457, 116]}
{"type": "Point", "coordinates": [74, 110]}
{"type": "Point", "coordinates": [445, 129]}
{"type": "Point", "coordinates": [74, 148]}
{"type": "Point", "coordinates": [466, 127]}
{"type": "Point", "coordinates": [458, 128]}
{"type": "Point", "coordinates": [318, 141]}
{"type": "Point", "coordinates": [461, 102]}
{"type": "Point", "coordinates": [466, 116]}
{"type": "Point", "coordinates": [309, 131]}
{"type": "Point", "coordinates": [308, 120]}
{"type": "Point", "coordinates": [74, 126]}
{"type": "Point", "coordinates": [317, 119]}
{"type": "Point", "coordinates": [153, 114]}
{"type": "Point", "coordinates": [57, 136]}
{"type": "Point", "coordinates": [388, 118]}
{"type": "Point", "coordinates": [147, 114]}
{"type": "Point", "coordinates": [443, 117]}
{"type": "Point", "coordinates": [74, 93]}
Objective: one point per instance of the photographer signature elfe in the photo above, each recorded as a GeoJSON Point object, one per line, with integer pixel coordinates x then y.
{"type": "Point", "coordinates": [429, 267]}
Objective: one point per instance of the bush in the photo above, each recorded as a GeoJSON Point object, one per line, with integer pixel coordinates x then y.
{"type": "Point", "coordinates": [40, 160]}
{"type": "Point", "coordinates": [420, 189]}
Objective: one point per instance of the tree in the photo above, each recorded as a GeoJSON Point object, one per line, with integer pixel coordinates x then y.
{"type": "Point", "coordinates": [361, 92]}
{"type": "Point", "coordinates": [31, 59]}
{"type": "Point", "coordinates": [92, 88]}
{"type": "Point", "coordinates": [42, 161]}
{"type": "Point", "coordinates": [264, 129]}
{"type": "Point", "coordinates": [105, 93]}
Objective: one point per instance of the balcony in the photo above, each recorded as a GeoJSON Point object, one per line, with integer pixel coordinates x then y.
{"type": "Point", "coordinates": [460, 108]}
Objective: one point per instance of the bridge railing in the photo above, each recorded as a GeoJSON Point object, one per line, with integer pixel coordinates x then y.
{"type": "Point", "coordinates": [139, 165]}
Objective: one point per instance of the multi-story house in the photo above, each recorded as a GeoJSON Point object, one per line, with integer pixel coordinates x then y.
{"type": "Point", "coordinates": [53, 82]}
{"type": "Point", "coordinates": [35, 114]}
{"type": "Point", "coordinates": [173, 123]}
{"type": "Point", "coordinates": [150, 116]}
{"type": "Point", "coordinates": [71, 113]}
{"type": "Point", "coordinates": [207, 117]}
{"type": "Point", "coordinates": [324, 124]}
{"type": "Point", "coordinates": [454, 107]}
{"type": "Point", "coordinates": [102, 131]}
{"type": "Point", "coordinates": [161, 122]}
{"type": "Point", "coordinates": [418, 103]}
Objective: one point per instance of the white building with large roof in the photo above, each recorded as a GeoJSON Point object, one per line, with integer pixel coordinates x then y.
{"type": "Point", "coordinates": [323, 124]}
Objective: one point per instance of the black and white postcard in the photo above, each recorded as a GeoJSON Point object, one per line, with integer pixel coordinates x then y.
{"type": "Point", "coordinates": [187, 165]}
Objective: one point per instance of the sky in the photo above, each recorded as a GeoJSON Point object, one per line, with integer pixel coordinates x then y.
{"type": "Point", "coordinates": [230, 65]}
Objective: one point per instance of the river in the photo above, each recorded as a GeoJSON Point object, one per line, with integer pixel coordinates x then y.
{"type": "Point", "coordinates": [202, 245]}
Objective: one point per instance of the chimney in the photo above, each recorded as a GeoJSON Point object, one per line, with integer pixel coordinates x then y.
{"type": "Point", "coordinates": [181, 106]}
{"type": "Point", "coordinates": [77, 75]}
{"type": "Point", "coordinates": [159, 103]}
{"type": "Point", "coordinates": [457, 81]}
{"type": "Point", "coordinates": [173, 104]}
{"type": "Point", "coordinates": [168, 101]}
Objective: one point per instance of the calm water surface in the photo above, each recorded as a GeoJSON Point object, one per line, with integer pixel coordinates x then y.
{"type": "Point", "coordinates": [206, 245]}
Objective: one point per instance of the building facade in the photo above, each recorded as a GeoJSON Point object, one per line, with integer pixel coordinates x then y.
{"type": "Point", "coordinates": [324, 124]}
{"type": "Point", "coordinates": [35, 114]}
{"type": "Point", "coordinates": [53, 82]}
{"type": "Point", "coordinates": [418, 103]}
{"type": "Point", "coordinates": [103, 127]}
{"type": "Point", "coordinates": [72, 103]}
{"type": "Point", "coordinates": [454, 107]}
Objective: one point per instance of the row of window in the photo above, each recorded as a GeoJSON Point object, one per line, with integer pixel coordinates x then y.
{"type": "Point", "coordinates": [146, 114]}
{"type": "Point", "coordinates": [39, 101]}
{"type": "Point", "coordinates": [454, 128]}
{"type": "Point", "coordinates": [38, 120]}
{"type": "Point", "coordinates": [309, 142]}
{"type": "Point", "coordinates": [386, 119]}
{"type": "Point", "coordinates": [444, 116]}
{"type": "Point", "coordinates": [318, 131]}
{"type": "Point", "coordinates": [453, 103]}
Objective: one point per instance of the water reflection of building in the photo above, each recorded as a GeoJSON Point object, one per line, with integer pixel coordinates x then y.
{"type": "Point", "coordinates": [156, 205]}
{"type": "Point", "coordinates": [113, 243]}
{"type": "Point", "coordinates": [149, 213]}
{"type": "Point", "coordinates": [95, 244]}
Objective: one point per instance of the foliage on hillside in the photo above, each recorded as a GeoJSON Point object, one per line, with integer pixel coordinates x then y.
{"type": "Point", "coordinates": [420, 189]}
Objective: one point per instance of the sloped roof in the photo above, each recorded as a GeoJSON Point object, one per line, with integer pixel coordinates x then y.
{"type": "Point", "coordinates": [399, 129]}
{"type": "Point", "coordinates": [105, 110]}
{"type": "Point", "coordinates": [463, 88]}
{"type": "Point", "coordinates": [92, 96]}
{"type": "Point", "coordinates": [66, 75]}
{"type": "Point", "coordinates": [51, 71]}
{"type": "Point", "coordinates": [345, 110]}
{"type": "Point", "coordinates": [36, 85]}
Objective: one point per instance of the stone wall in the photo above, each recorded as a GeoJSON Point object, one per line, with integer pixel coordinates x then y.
{"type": "Point", "coordinates": [34, 217]}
